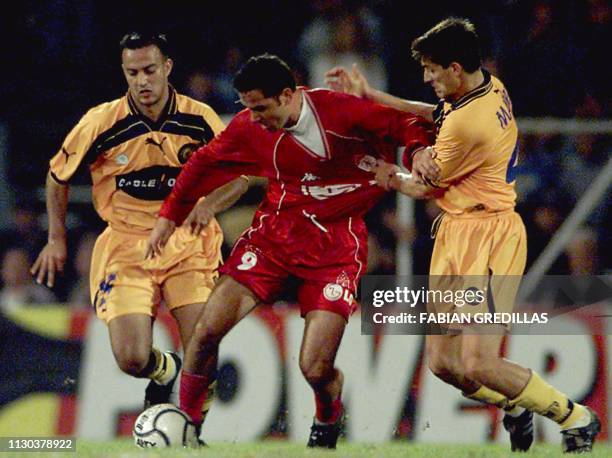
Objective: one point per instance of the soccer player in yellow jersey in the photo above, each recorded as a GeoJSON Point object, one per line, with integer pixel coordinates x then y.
{"type": "Point", "coordinates": [134, 148]}
{"type": "Point", "coordinates": [470, 173]}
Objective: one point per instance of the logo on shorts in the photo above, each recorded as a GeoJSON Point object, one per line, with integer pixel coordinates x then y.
{"type": "Point", "coordinates": [249, 259]}
{"type": "Point", "coordinates": [332, 291]}
{"type": "Point", "coordinates": [344, 280]}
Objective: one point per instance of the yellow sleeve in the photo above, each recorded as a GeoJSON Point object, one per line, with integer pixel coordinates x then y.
{"type": "Point", "coordinates": [454, 152]}
{"type": "Point", "coordinates": [213, 120]}
{"type": "Point", "coordinates": [74, 150]}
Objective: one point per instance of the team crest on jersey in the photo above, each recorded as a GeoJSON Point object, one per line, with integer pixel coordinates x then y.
{"type": "Point", "coordinates": [122, 159]}
{"type": "Point", "coordinates": [366, 163]}
{"type": "Point", "coordinates": [332, 291]}
{"type": "Point", "coordinates": [186, 151]}
{"type": "Point", "coordinates": [248, 261]}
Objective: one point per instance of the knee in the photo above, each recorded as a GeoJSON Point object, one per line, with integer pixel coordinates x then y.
{"type": "Point", "coordinates": [439, 365]}
{"type": "Point", "coordinates": [133, 361]}
{"type": "Point", "coordinates": [316, 372]}
{"type": "Point", "coordinates": [207, 335]}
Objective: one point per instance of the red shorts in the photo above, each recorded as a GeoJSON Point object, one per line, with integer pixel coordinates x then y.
{"type": "Point", "coordinates": [328, 258]}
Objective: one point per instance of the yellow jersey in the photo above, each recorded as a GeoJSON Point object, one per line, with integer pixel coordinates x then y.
{"type": "Point", "coordinates": [134, 161]}
{"type": "Point", "coordinates": [476, 146]}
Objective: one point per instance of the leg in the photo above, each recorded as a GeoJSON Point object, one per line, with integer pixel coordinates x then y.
{"type": "Point", "coordinates": [228, 304]}
{"type": "Point", "coordinates": [186, 294]}
{"type": "Point", "coordinates": [525, 388]}
{"type": "Point", "coordinates": [322, 335]}
{"type": "Point", "coordinates": [131, 342]}
{"type": "Point", "coordinates": [186, 317]}
{"type": "Point", "coordinates": [444, 353]}
{"type": "Point", "coordinates": [482, 363]}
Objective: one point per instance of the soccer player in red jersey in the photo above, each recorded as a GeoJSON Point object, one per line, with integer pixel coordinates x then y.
{"type": "Point", "coordinates": [318, 149]}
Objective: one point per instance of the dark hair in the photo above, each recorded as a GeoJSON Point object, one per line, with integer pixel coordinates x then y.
{"type": "Point", "coordinates": [452, 40]}
{"type": "Point", "coordinates": [137, 40]}
{"type": "Point", "coordinates": [266, 72]}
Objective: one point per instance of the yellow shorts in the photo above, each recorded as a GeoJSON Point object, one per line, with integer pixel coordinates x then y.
{"type": "Point", "coordinates": [122, 282]}
{"type": "Point", "coordinates": [482, 252]}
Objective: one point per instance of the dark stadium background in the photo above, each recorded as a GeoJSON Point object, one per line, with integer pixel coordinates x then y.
{"type": "Point", "coordinates": [61, 57]}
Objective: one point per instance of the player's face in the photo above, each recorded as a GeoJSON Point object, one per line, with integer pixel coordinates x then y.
{"type": "Point", "coordinates": [270, 112]}
{"type": "Point", "coordinates": [444, 81]}
{"type": "Point", "coordinates": [146, 71]}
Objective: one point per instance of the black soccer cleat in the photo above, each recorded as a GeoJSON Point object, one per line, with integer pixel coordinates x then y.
{"type": "Point", "coordinates": [198, 428]}
{"type": "Point", "coordinates": [323, 435]}
{"type": "Point", "coordinates": [580, 440]}
{"type": "Point", "coordinates": [160, 394]}
{"type": "Point", "coordinates": [520, 429]}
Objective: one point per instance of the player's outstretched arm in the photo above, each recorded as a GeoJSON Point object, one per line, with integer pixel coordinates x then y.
{"type": "Point", "coordinates": [355, 83]}
{"type": "Point", "coordinates": [52, 258]}
{"type": "Point", "coordinates": [216, 202]}
{"type": "Point", "coordinates": [391, 177]}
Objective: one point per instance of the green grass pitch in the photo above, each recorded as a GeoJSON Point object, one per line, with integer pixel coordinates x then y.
{"type": "Point", "coordinates": [281, 449]}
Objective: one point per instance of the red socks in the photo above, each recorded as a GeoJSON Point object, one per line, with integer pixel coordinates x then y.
{"type": "Point", "coordinates": [192, 395]}
{"type": "Point", "coordinates": [328, 413]}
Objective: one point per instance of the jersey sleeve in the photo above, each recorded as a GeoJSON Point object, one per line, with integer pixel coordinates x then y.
{"type": "Point", "coordinates": [226, 157]}
{"type": "Point", "coordinates": [213, 120]}
{"type": "Point", "coordinates": [73, 151]}
{"type": "Point", "coordinates": [402, 128]}
{"type": "Point", "coordinates": [455, 141]}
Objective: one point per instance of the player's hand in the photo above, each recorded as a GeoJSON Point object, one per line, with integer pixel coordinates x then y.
{"type": "Point", "coordinates": [385, 172]}
{"type": "Point", "coordinates": [423, 164]}
{"type": "Point", "coordinates": [200, 216]}
{"type": "Point", "coordinates": [51, 260]}
{"type": "Point", "coordinates": [160, 234]}
{"type": "Point", "coordinates": [353, 82]}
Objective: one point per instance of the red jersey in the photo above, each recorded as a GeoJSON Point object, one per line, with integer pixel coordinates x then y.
{"type": "Point", "coordinates": [320, 168]}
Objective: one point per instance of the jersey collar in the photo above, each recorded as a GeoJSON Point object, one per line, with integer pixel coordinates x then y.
{"type": "Point", "coordinates": [169, 109]}
{"type": "Point", "coordinates": [475, 93]}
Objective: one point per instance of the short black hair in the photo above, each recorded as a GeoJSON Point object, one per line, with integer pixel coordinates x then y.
{"type": "Point", "coordinates": [452, 40]}
{"type": "Point", "coordinates": [137, 40]}
{"type": "Point", "coordinates": [266, 72]}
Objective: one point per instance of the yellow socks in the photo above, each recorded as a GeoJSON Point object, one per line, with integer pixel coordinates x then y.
{"type": "Point", "coordinates": [488, 396]}
{"type": "Point", "coordinates": [542, 398]}
{"type": "Point", "coordinates": [165, 367]}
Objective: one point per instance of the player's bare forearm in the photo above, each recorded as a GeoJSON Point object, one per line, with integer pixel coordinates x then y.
{"type": "Point", "coordinates": [425, 110]}
{"type": "Point", "coordinates": [217, 201]}
{"type": "Point", "coordinates": [53, 255]}
{"type": "Point", "coordinates": [56, 196]}
{"type": "Point", "coordinates": [227, 195]}
{"type": "Point", "coordinates": [407, 184]}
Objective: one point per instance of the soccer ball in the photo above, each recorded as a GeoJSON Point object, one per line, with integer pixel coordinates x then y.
{"type": "Point", "coordinates": [164, 425]}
